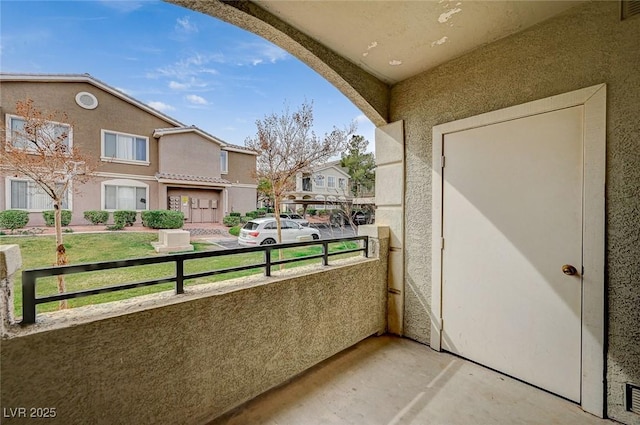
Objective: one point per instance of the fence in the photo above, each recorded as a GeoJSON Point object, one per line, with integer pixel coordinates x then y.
{"type": "Point", "coordinates": [30, 301]}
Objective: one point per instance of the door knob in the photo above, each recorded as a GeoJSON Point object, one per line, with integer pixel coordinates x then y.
{"type": "Point", "coordinates": [569, 270]}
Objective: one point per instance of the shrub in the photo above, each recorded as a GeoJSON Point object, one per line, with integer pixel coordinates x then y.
{"type": "Point", "coordinates": [124, 216]}
{"type": "Point", "coordinates": [13, 219]}
{"type": "Point", "coordinates": [162, 219]}
{"type": "Point", "coordinates": [235, 214]}
{"type": "Point", "coordinates": [312, 211]}
{"type": "Point", "coordinates": [322, 212]}
{"type": "Point", "coordinates": [50, 217]}
{"type": "Point", "coordinates": [253, 214]}
{"type": "Point", "coordinates": [244, 219]}
{"type": "Point", "coordinates": [96, 217]}
{"type": "Point", "coordinates": [235, 230]}
{"type": "Point", "coordinates": [231, 220]}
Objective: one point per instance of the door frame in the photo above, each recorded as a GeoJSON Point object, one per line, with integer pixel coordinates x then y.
{"type": "Point", "coordinates": [593, 227]}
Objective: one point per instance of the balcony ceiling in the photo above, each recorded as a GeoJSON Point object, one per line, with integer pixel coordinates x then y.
{"type": "Point", "coordinates": [396, 39]}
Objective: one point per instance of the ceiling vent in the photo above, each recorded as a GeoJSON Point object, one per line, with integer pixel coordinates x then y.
{"type": "Point", "coordinates": [632, 395]}
{"type": "Point", "coordinates": [86, 100]}
{"type": "Point", "coordinates": [630, 8]}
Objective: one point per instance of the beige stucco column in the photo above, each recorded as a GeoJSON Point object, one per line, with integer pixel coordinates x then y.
{"type": "Point", "coordinates": [10, 262]}
{"type": "Point", "coordinates": [390, 212]}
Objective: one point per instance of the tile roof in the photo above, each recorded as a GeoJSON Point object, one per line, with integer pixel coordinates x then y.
{"type": "Point", "coordinates": [186, 177]}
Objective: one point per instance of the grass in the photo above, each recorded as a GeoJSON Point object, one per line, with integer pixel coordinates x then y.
{"type": "Point", "coordinates": [39, 251]}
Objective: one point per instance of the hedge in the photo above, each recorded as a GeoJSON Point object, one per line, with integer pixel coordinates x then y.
{"type": "Point", "coordinates": [235, 230]}
{"type": "Point", "coordinates": [162, 219]}
{"type": "Point", "coordinates": [50, 217]}
{"type": "Point", "coordinates": [124, 216]}
{"type": "Point", "coordinates": [231, 220]}
{"type": "Point", "coordinates": [13, 219]}
{"type": "Point", "coordinates": [96, 217]}
{"type": "Point", "coordinates": [235, 214]}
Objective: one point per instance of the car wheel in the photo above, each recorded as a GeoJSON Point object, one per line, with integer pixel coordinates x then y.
{"type": "Point", "coordinates": [315, 237]}
{"type": "Point", "coordinates": [268, 241]}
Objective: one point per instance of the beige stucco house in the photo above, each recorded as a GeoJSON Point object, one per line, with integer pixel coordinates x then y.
{"type": "Point", "coordinates": [147, 160]}
{"type": "Point", "coordinates": [328, 184]}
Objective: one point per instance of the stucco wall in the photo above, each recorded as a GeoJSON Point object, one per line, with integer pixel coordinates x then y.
{"type": "Point", "coordinates": [196, 356]}
{"type": "Point", "coordinates": [242, 168]}
{"type": "Point", "coordinates": [242, 199]}
{"type": "Point", "coordinates": [189, 153]}
{"type": "Point", "coordinates": [587, 45]}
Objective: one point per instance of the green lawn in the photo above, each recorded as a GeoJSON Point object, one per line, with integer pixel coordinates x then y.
{"type": "Point", "coordinates": [38, 251]}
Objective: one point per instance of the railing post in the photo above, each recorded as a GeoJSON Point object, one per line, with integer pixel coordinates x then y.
{"type": "Point", "coordinates": [179, 276]}
{"type": "Point", "coordinates": [366, 247]}
{"type": "Point", "coordinates": [267, 262]}
{"type": "Point", "coordinates": [325, 253]}
{"type": "Point", "coordinates": [28, 298]}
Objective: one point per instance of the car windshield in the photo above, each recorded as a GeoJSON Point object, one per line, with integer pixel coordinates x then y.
{"type": "Point", "coordinates": [250, 226]}
{"type": "Point", "coordinates": [295, 217]}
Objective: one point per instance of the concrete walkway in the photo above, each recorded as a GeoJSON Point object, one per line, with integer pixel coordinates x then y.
{"type": "Point", "coordinates": [392, 381]}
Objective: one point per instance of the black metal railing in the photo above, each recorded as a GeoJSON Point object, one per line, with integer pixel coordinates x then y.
{"type": "Point", "coordinates": [30, 301]}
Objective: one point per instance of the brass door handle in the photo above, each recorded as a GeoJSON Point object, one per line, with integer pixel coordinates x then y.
{"type": "Point", "coordinates": [569, 270]}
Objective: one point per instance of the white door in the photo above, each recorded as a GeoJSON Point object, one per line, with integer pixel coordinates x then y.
{"type": "Point", "coordinates": [511, 219]}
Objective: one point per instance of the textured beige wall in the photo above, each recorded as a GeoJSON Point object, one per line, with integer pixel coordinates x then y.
{"type": "Point", "coordinates": [242, 168]}
{"type": "Point", "coordinates": [198, 355]}
{"type": "Point", "coordinates": [587, 45]}
{"type": "Point", "coordinates": [189, 153]}
{"type": "Point", "coordinates": [242, 199]}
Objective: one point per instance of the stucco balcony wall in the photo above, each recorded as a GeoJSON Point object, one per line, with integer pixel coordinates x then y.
{"type": "Point", "coordinates": [188, 359]}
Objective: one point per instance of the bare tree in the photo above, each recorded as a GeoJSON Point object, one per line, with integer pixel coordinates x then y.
{"type": "Point", "coordinates": [39, 147]}
{"type": "Point", "coordinates": [287, 144]}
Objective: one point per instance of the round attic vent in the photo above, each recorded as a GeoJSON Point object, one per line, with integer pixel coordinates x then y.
{"type": "Point", "coordinates": [86, 100]}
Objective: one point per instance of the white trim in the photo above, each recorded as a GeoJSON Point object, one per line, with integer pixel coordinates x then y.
{"type": "Point", "coordinates": [243, 185]}
{"type": "Point", "coordinates": [105, 158]}
{"type": "Point", "coordinates": [7, 195]}
{"type": "Point", "coordinates": [123, 183]}
{"type": "Point", "coordinates": [326, 167]}
{"type": "Point", "coordinates": [593, 233]}
{"type": "Point", "coordinates": [94, 100]}
{"type": "Point", "coordinates": [159, 132]}
{"type": "Point", "coordinates": [124, 176]}
{"type": "Point", "coordinates": [240, 150]}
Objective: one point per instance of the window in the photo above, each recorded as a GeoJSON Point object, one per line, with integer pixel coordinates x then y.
{"type": "Point", "coordinates": [127, 148]}
{"type": "Point", "coordinates": [331, 181]}
{"type": "Point", "coordinates": [342, 183]}
{"type": "Point", "coordinates": [47, 133]}
{"type": "Point", "coordinates": [27, 195]}
{"type": "Point", "coordinates": [224, 162]}
{"type": "Point", "coordinates": [319, 180]}
{"type": "Point", "coordinates": [124, 195]}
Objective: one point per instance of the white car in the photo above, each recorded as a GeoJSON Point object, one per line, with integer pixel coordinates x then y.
{"type": "Point", "coordinates": [263, 231]}
{"type": "Point", "coordinates": [295, 217]}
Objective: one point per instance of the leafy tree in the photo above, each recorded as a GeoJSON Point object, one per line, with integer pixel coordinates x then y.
{"type": "Point", "coordinates": [360, 165]}
{"type": "Point", "coordinates": [286, 144]}
{"type": "Point", "coordinates": [39, 149]}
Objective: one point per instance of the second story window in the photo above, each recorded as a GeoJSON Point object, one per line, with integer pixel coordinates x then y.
{"type": "Point", "coordinates": [342, 183]}
{"type": "Point", "coordinates": [45, 133]}
{"type": "Point", "coordinates": [331, 181]}
{"type": "Point", "coordinates": [319, 180]}
{"type": "Point", "coordinates": [224, 162]}
{"type": "Point", "coordinates": [128, 148]}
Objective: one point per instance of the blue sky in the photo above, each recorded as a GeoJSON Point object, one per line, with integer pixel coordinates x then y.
{"type": "Point", "coordinates": [193, 67]}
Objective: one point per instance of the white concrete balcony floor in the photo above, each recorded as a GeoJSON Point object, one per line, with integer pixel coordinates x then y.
{"type": "Point", "coordinates": [391, 381]}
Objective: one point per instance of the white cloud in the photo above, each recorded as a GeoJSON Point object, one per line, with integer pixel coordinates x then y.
{"type": "Point", "coordinates": [174, 85]}
{"type": "Point", "coordinates": [188, 67]}
{"type": "Point", "coordinates": [196, 100]}
{"type": "Point", "coordinates": [184, 25]}
{"type": "Point", "coordinates": [161, 106]}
